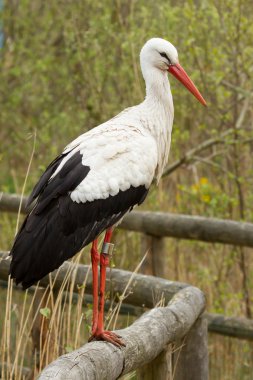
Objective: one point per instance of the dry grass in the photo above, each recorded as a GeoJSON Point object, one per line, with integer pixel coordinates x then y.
{"type": "Point", "coordinates": [39, 327]}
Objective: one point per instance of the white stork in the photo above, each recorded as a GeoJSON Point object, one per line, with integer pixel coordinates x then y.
{"type": "Point", "coordinates": [97, 179]}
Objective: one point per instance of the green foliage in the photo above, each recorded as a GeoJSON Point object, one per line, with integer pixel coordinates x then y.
{"type": "Point", "coordinates": [46, 312]}
{"type": "Point", "coordinates": [67, 66]}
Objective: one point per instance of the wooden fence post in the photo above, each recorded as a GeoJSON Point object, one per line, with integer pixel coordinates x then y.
{"type": "Point", "coordinates": [158, 369]}
{"type": "Point", "coordinates": [190, 358]}
{"type": "Point", "coordinates": [146, 248]}
{"type": "Point", "coordinates": [155, 263]}
{"type": "Point", "coordinates": [159, 256]}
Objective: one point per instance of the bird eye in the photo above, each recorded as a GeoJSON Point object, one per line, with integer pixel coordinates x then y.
{"type": "Point", "coordinates": [164, 55]}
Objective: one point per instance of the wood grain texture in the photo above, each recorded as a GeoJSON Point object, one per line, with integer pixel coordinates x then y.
{"type": "Point", "coordinates": [190, 359]}
{"type": "Point", "coordinates": [145, 291]}
{"type": "Point", "coordinates": [210, 230]}
{"type": "Point", "coordinates": [156, 259]}
{"type": "Point", "coordinates": [158, 369]}
{"type": "Point", "coordinates": [241, 328]}
{"type": "Point", "coordinates": [145, 339]}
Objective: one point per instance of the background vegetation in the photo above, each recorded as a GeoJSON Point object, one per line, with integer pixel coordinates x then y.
{"type": "Point", "coordinates": [67, 66]}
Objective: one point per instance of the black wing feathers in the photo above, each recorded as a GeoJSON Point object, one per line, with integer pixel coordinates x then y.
{"type": "Point", "coordinates": [44, 179]}
{"type": "Point", "coordinates": [57, 227]}
{"type": "Point", "coordinates": [68, 178]}
{"type": "Point", "coordinates": [49, 238]}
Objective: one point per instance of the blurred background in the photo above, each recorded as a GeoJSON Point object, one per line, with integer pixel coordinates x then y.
{"type": "Point", "coordinates": [65, 67]}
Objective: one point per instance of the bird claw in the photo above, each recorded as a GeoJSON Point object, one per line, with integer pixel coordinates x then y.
{"type": "Point", "coordinates": [108, 336]}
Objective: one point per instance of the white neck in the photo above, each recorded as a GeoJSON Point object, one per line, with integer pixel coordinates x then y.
{"type": "Point", "coordinates": [157, 88]}
{"type": "Point", "coordinates": [158, 106]}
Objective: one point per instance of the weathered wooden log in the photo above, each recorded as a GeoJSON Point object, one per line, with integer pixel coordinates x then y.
{"type": "Point", "coordinates": [11, 202]}
{"type": "Point", "coordinates": [190, 227]}
{"type": "Point", "coordinates": [159, 256]}
{"type": "Point", "coordinates": [155, 262]}
{"type": "Point", "coordinates": [241, 328]}
{"type": "Point", "coordinates": [158, 369]}
{"type": "Point", "coordinates": [143, 290]}
{"type": "Point", "coordinates": [144, 340]}
{"type": "Point", "coordinates": [190, 357]}
{"type": "Point", "coordinates": [171, 225]}
{"type": "Point", "coordinates": [145, 247]}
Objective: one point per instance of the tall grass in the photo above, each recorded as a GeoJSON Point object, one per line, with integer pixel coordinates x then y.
{"type": "Point", "coordinates": [40, 326]}
{"type": "Point", "coordinates": [44, 324]}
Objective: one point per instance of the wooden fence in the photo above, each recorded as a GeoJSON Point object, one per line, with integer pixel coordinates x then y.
{"type": "Point", "coordinates": [148, 347]}
{"type": "Point", "coordinates": [148, 340]}
{"type": "Point", "coordinates": [154, 227]}
{"type": "Point", "coordinates": [140, 296]}
{"type": "Point", "coordinates": [160, 224]}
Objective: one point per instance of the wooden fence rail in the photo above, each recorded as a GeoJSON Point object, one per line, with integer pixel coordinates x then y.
{"type": "Point", "coordinates": [168, 225]}
{"type": "Point", "coordinates": [144, 291]}
{"type": "Point", "coordinates": [147, 341]}
{"type": "Point", "coordinates": [155, 226]}
{"type": "Point", "coordinates": [11, 202]}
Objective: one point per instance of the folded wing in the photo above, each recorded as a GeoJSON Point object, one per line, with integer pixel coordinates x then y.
{"type": "Point", "coordinates": [83, 192]}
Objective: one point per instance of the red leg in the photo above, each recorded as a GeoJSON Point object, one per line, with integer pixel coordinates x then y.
{"type": "Point", "coordinates": [95, 257]}
{"type": "Point", "coordinates": [100, 333]}
{"type": "Point", "coordinates": [104, 263]}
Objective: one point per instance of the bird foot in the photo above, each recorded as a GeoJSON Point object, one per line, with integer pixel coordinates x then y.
{"type": "Point", "coordinates": [107, 336]}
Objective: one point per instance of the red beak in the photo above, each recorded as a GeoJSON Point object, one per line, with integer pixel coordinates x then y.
{"type": "Point", "coordinates": [182, 76]}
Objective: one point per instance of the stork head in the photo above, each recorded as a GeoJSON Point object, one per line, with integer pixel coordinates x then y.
{"type": "Point", "coordinates": [162, 55]}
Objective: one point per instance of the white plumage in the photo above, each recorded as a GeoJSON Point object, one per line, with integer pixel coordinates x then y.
{"type": "Point", "coordinates": [131, 148]}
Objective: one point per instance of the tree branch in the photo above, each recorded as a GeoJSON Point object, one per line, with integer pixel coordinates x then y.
{"type": "Point", "coordinates": [193, 152]}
